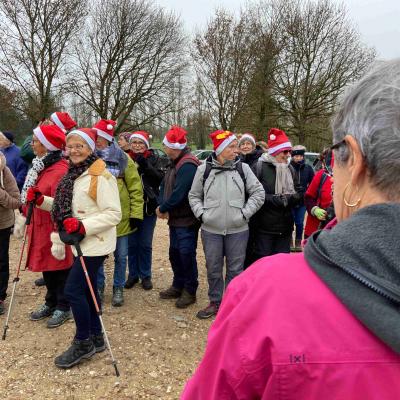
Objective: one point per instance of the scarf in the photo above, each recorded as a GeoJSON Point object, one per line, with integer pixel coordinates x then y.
{"type": "Point", "coordinates": [38, 165]}
{"type": "Point", "coordinates": [284, 179]}
{"type": "Point", "coordinates": [115, 159]}
{"type": "Point", "coordinates": [145, 154]}
{"type": "Point", "coordinates": [62, 205]}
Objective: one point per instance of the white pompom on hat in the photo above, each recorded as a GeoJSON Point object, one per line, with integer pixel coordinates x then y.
{"type": "Point", "coordinates": [105, 128]}
{"type": "Point", "coordinates": [277, 141]}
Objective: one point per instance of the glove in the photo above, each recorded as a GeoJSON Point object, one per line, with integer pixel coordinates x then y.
{"type": "Point", "coordinates": [34, 195]}
{"type": "Point", "coordinates": [73, 225]}
{"type": "Point", "coordinates": [319, 213]}
{"type": "Point", "coordinates": [134, 223]}
{"type": "Point", "coordinates": [71, 238]}
{"type": "Point", "coordinates": [57, 246]}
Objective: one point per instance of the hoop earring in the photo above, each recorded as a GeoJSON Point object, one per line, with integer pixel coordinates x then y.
{"type": "Point", "coordinates": [344, 197]}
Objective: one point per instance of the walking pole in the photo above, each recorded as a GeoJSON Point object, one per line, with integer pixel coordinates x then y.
{"type": "Point", "coordinates": [16, 279]}
{"type": "Point", "coordinates": [96, 305]}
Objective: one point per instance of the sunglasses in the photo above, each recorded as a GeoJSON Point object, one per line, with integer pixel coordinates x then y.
{"type": "Point", "coordinates": [287, 151]}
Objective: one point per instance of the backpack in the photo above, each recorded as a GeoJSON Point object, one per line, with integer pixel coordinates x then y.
{"type": "Point", "coordinates": [238, 168]}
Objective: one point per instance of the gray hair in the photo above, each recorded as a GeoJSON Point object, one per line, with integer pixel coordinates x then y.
{"type": "Point", "coordinates": [370, 112]}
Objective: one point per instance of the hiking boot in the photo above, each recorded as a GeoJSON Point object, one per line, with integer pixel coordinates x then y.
{"type": "Point", "coordinates": [100, 291]}
{"type": "Point", "coordinates": [79, 350]}
{"type": "Point", "coordinates": [297, 245]}
{"type": "Point", "coordinates": [171, 293]}
{"type": "Point", "coordinates": [118, 297]}
{"type": "Point", "coordinates": [40, 282]}
{"type": "Point", "coordinates": [185, 300]}
{"type": "Point", "coordinates": [131, 282]}
{"type": "Point", "coordinates": [147, 284]}
{"type": "Point", "coordinates": [2, 307]}
{"type": "Point", "coordinates": [209, 311]}
{"type": "Point", "coordinates": [58, 318]}
{"type": "Point", "coordinates": [98, 342]}
{"type": "Point", "coordinates": [42, 312]}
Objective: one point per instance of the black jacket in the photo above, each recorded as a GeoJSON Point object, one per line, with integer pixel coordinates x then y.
{"type": "Point", "coordinates": [275, 216]}
{"type": "Point", "coordinates": [252, 158]}
{"type": "Point", "coordinates": [304, 173]}
{"type": "Point", "coordinates": [151, 173]}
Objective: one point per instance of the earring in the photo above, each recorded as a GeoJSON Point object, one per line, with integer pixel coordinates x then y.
{"type": "Point", "coordinates": [344, 197]}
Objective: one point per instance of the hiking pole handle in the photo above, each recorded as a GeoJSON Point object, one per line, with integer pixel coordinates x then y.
{"type": "Point", "coordinates": [29, 213]}
{"type": "Point", "coordinates": [78, 248]}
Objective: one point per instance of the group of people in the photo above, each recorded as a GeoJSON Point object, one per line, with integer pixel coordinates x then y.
{"type": "Point", "coordinates": [291, 323]}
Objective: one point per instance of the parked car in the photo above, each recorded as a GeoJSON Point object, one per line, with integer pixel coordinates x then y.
{"type": "Point", "coordinates": [311, 158]}
{"type": "Point", "coordinates": [202, 154]}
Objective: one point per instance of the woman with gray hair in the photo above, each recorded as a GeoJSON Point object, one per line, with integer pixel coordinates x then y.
{"type": "Point", "coordinates": [324, 324]}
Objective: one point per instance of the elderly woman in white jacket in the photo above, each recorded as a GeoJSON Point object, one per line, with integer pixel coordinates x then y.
{"type": "Point", "coordinates": [86, 208]}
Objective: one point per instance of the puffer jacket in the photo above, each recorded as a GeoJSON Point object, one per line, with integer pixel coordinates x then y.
{"type": "Point", "coordinates": [9, 195]}
{"type": "Point", "coordinates": [302, 327]}
{"type": "Point", "coordinates": [221, 202]}
{"type": "Point", "coordinates": [99, 217]}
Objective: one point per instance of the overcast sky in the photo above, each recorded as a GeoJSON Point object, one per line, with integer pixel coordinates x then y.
{"type": "Point", "coordinates": [377, 20]}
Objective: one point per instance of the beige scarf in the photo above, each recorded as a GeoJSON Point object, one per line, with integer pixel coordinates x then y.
{"type": "Point", "coordinates": [284, 178]}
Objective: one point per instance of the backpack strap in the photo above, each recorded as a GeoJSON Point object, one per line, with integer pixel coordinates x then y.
{"type": "Point", "coordinates": [207, 171]}
{"type": "Point", "coordinates": [323, 179]}
{"type": "Point", "coordinates": [259, 169]}
{"type": "Point", "coordinates": [239, 168]}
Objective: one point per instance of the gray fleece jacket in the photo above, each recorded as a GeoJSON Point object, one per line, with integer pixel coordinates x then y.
{"type": "Point", "coordinates": [222, 202]}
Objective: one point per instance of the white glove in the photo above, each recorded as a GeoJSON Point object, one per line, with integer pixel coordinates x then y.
{"type": "Point", "coordinates": [19, 225]}
{"type": "Point", "coordinates": [57, 247]}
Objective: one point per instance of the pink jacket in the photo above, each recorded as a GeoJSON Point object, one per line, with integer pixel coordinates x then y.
{"type": "Point", "coordinates": [281, 334]}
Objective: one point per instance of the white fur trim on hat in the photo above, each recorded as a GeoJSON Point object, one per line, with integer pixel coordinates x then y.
{"type": "Point", "coordinates": [42, 139]}
{"type": "Point", "coordinates": [85, 137]}
{"type": "Point", "coordinates": [57, 247]}
{"type": "Point", "coordinates": [56, 120]}
{"type": "Point", "coordinates": [175, 146]}
{"type": "Point", "coordinates": [275, 149]}
{"type": "Point", "coordinates": [103, 134]}
{"type": "Point", "coordinates": [141, 137]}
{"type": "Point", "coordinates": [225, 144]}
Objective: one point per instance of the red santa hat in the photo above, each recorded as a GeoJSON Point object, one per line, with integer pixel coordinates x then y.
{"type": "Point", "coordinates": [247, 137]}
{"type": "Point", "coordinates": [142, 135]}
{"type": "Point", "coordinates": [63, 120]}
{"type": "Point", "coordinates": [89, 135]}
{"type": "Point", "coordinates": [51, 137]}
{"type": "Point", "coordinates": [175, 138]}
{"type": "Point", "coordinates": [221, 139]}
{"type": "Point", "coordinates": [105, 128]}
{"type": "Point", "coordinates": [277, 142]}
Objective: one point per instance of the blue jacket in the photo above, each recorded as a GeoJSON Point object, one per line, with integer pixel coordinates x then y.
{"type": "Point", "coordinates": [17, 165]}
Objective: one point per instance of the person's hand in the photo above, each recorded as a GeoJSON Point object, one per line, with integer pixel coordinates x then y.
{"type": "Point", "coordinates": [160, 214]}
{"type": "Point", "coordinates": [73, 225]}
{"type": "Point", "coordinates": [33, 194]}
{"type": "Point", "coordinates": [319, 213]}
{"type": "Point", "coordinates": [134, 223]}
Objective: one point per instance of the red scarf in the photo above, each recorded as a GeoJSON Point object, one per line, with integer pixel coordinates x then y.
{"type": "Point", "coordinates": [146, 154]}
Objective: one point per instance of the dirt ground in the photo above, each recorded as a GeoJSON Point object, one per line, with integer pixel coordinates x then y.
{"type": "Point", "coordinates": [157, 346]}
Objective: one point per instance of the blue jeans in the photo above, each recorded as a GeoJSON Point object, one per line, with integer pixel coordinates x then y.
{"type": "Point", "coordinates": [120, 255]}
{"type": "Point", "coordinates": [77, 292]}
{"type": "Point", "coordinates": [182, 255]}
{"type": "Point", "coordinates": [298, 215]}
{"type": "Point", "coordinates": [140, 248]}
{"type": "Point", "coordinates": [217, 247]}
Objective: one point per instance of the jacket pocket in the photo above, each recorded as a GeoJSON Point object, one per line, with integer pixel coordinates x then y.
{"type": "Point", "coordinates": [235, 216]}
{"type": "Point", "coordinates": [211, 211]}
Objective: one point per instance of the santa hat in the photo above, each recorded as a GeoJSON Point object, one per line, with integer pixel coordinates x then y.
{"type": "Point", "coordinates": [247, 137]}
{"type": "Point", "coordinates": [277, 142]}
{"type": "Point", "coordinates": [142, 135]}
{"type": "Point", "coordinates": [63, 120]}
{"type": "Point", "coordinates": [221, 139]}
{"type": "Point", "coordinates": [175, 138]}
{"type": "Point", "coordinates": [51, 137]}
{"type": "Point", "coordinates": [105, 128]}
{"type": "Point", "coordinates": [89, 135]}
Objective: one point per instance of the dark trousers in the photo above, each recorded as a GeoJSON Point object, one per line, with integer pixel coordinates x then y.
{"type": "Point", "coordinates": [182, 255]}
{"type": "Point", "coordinates": [267, 244]}
{"type": "Point", "coordinates": [4, 261]}
{"type": "Point", "coordinates": [55, 283]}
{"type": "Point", "coordinates": [298, 215]}
{"type": "Point", "coordinates": [78, 294]}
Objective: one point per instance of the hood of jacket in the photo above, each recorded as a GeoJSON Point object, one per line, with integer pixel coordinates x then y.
{"type": "Point", "coordinates": [359, 260]}
{"type": "Point", "coordinates": [228, 165]}
{"type": "Point", "coordinates": [2, 162]}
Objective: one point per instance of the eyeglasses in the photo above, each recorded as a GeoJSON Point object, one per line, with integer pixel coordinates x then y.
{"type": "Point", "coordinates": [338, 144]}
{"type": "Point", "coordinates": [137, 143]}
{"type": "Point", "coordinates": [287, 151]}
{"type": "Point", "coordinates": [78, 147]}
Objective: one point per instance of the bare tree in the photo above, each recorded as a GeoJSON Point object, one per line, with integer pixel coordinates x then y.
{"type": "Point", "coordinates": [224, 59]}
{"type": "Point", "coordinates": [127, 61]}
{"type": "Point", "coordinates": [320, 53]}
{"type": "Point", "coordinates": [34, 35]}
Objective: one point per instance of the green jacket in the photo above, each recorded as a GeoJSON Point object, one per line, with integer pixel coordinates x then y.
{"type": "Point", "coordinates": [131, 197]}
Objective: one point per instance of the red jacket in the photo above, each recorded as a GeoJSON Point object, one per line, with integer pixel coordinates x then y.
{"type": "Point", "coordinates": [39, 256]}
{"type": "Point", "coordinates": [312, 199]}
{"type": "Point", "coordinates": [281, 334]}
